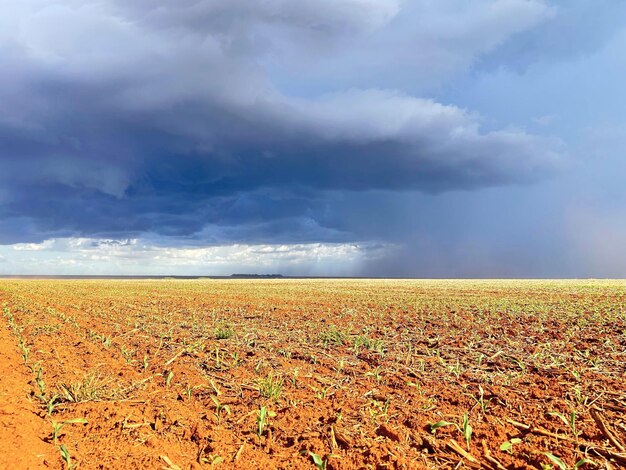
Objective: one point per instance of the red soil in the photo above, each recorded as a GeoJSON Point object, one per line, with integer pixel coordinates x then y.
{"type": "Point", "coordinates": [172, 374]}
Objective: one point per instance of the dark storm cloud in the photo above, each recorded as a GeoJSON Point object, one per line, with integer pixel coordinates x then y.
{"type": "Point", "coordinates": [121, 118]}
{"type": "Point", "coordinates": [325, 16]}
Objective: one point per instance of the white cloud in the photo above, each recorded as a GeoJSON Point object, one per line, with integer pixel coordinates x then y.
{"type": "Point", "coordinates": [43, 246]}
{"type": "Point", "coordinates": [102, 256]}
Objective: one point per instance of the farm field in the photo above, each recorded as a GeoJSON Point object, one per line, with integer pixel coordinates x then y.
{"type": "Point", "coordinates": [305, 373]}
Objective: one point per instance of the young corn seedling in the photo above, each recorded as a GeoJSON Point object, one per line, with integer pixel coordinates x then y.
{"type": "Point", "coordinates": [480, 400]}
{"type": "Point", "coordinates": [236, 359]}
{"type": "Point", "coordinates": [25, 351]}
{"type": "Point", "coordinates": [223, 332]}
{"type": "Point", "coordinates": [34, 366]}
{"type": "Point", "coordinates": [561, 464]}
{"type": "Point", "coordinates": [270, 387]}
{"type": "Point", "coordinates": [507, 446]}
{"type": "Point", "coordinates": [294, 376]}
{"type": "Point", "coordinates": [375, 374]}
{"type": "Point", "coordinates": [319, 462]}
{"type": "Point", "coordinates": [333, 336]}
{"type": "Point", "coordinates": [168, 379]}
{"type": "Point", "coordinates": [378, 410]}
{"type": "Point", "coordinates": [261, 420]}
{"type": "Point", "coordinates": [67, 458]}
{"type": "Point", "coordinates": [188, 390]}
{"type": "Point", "coordinates": [321, 393]}
{"type": "Point", "coordinates": [570, 421]}
{"type": "Point", "coordinates": [128, 355]}
{"type": "Point", "coordinates": [580, 399]}
{"type": "Point", "coordinates": [465, 428]}
{"type": "Point", "coordinates": [40, 382]}
{"type": "Point", "coordinates": [195, 347]}
{"type": "Point", "coordinates": [212, 460]}
{"type": "Point", "coordinates": [56, 427]}
{"type": "Point", "coordinates": [360, 341]}
{"type": "Point", "coordinates": [439, 424]}
{"type": "Point", "coordinates": [456, 369]}
{"type": "Point", "coordinates": [518, 362]}
{"type": "Point", "coordinates": [50, 403]}
{"type": "Point", "coordinates": [219, 408]}
{"type": "Point", "coordinates": [219, 359]}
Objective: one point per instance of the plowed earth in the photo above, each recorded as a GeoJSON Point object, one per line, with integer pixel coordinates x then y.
{"type": "Point", "coordinates": [363, 374]}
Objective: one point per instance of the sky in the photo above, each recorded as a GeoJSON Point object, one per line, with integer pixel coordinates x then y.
{"type": "Point", "coordinates": [388, 138]}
